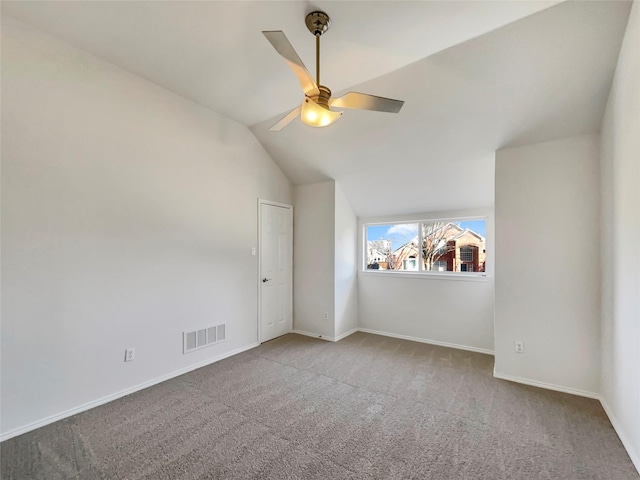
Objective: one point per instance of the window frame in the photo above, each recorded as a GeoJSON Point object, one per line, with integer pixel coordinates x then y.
{"type": "Point", "coordinates": [421, 273]}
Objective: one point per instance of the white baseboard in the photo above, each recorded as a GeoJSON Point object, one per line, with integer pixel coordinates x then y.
{"type": "Point", "coordinates": [617, 426]}
{"type": "Point", "coordinates": [314, 335]}
{"type": "Point", "coordinates": [548, 386]}
{"type": "Point", "coordinates": [109, 398]}
{"type": "Point", "coordinates": [431, 342]}
{"type": "Point", "coordinates": [394, 335]}
{"type": "Point", "coordinates": [346, 334]}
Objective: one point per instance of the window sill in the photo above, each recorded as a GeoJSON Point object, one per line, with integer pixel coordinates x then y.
{"type": "Point", "coordinates": [477, 277]}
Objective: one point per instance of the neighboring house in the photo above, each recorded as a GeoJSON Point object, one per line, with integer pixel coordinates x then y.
{"type": "Point", "coordinates": [378, 252]}
{"type": "Point", "coordinates": [377, 259]}
{"type": "Point", "coordinates": [406, 257]}
{"type": "Point", "coordinates": [448, 248]}
{"type": "Point", "coordinates": [466, 252]}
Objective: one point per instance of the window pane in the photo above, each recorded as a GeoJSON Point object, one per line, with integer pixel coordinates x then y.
{"type": "Point", "coordinates": [439, 266]}
{"type": "Point", "coordinates": [454, 246]}
{"type": "Point", "coordinates": [393, 247]}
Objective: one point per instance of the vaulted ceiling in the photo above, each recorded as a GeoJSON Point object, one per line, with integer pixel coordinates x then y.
{"type": "Point", "coordinates": [476, 76]}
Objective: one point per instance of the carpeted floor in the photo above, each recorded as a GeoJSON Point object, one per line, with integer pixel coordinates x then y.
{"type": "Point", "coordinates": [367, 407]}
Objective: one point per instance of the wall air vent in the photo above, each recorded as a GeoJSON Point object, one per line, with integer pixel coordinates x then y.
{"type": "Point", "coordinates": [197, 339]}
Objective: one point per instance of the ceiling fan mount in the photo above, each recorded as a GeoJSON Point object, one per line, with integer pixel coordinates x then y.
{"type": "Point", "coordinates": [316, 109]}
{"type": "Point", "coordinates": [317, 22]}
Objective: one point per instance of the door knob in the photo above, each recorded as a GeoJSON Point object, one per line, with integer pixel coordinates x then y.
{"type": "Point", "coordinates": [265, 279]}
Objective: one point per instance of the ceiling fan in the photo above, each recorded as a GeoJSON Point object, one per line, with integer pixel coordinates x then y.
{"type": "Point", "coordinates": [316, 107]}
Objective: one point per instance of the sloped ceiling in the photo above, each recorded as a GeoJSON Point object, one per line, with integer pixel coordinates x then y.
{"type": "Point", "coordinates": [476, 76]}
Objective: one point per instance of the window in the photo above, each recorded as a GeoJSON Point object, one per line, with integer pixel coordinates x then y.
{"type": "Point", "coordinates": [410, 264]}
{"type": "Point", "coordinates": [392, 247]}
{"type": "Point", "coordinates": [441, 246]}
{"type": "Point", "coordinates": [439, 266]}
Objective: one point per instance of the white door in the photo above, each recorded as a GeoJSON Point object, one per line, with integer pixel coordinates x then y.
{"type": "Point", "coordinates": [276, 258]}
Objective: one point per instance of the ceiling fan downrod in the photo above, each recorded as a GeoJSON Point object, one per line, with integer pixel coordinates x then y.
{"type": "Point", "coordinates": [318, 23]}
{"type": "Point", "coordinates": [318, 59]}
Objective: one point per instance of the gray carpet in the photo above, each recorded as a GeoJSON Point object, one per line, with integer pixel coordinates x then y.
{"type": "Point", "coordinates": [367, 407]}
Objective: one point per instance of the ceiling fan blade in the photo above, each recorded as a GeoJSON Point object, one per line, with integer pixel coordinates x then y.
{"type": "Point", "coordinates": [284, 121]}
{"type": "Point", "coordinates": [363, 101]}
{"type": "Point", "coordinates": [280, 42]}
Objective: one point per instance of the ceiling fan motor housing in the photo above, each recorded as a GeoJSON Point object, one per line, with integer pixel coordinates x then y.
{"type": "Point", "coordinates": [323, 97]}
{"type": "Point", "coordinates": [318, 22]}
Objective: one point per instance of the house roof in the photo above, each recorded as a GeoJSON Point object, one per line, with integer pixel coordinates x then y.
{"type": "Point", "coordinates": [468, 231]}
{"type": "Point", "coordinates": [476, 76]}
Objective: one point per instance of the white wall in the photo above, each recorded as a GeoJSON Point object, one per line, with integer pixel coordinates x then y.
{"type": "Point", "coordinates": [313, 258]}
{"type": "Point", "coordinates": [346, 248]}
{"type": "Point", "coordinates": [128, 216]}
{"type": "Point", "coordinates": [620, 245]}
{"type": "Point", "coordinates": [547, 267]}
{"type": "Point", "coordinates": [324, 261]}
{"type": "Point", "coordinates": [445, 310]}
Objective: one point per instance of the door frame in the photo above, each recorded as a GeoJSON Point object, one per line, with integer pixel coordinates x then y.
{"type": "Point", "coordinates": [261, 202]}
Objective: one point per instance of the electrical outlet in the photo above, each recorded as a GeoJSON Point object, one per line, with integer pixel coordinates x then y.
{"type": "Point", "coordinates": [129, 354]}
{"type": "Point", "coordinates": [326, 315]}
{"type": "Point", "coordinates": [519, 347]}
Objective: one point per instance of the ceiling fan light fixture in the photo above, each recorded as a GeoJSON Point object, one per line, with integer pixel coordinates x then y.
{"type": "Point", "coordinates": [316, 115]}
{"type": "Point", "coordinates": [315, 110]}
